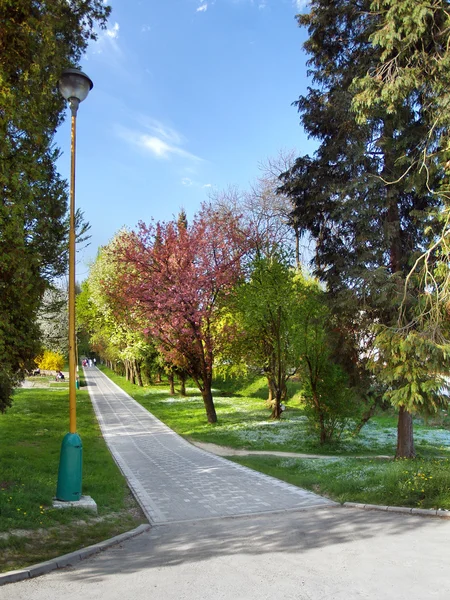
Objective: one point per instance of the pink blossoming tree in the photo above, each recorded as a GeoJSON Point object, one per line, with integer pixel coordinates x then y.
{"type": "Point", "coordinates": [173, 278]}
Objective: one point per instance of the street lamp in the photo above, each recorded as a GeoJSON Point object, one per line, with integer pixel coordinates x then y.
{"type": "Point", "coordinates": [74, 86]}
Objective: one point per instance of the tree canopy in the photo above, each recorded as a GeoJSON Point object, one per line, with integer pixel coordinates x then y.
{"type": "Point", "coordinates": [37, 41]}
{"type": "Point", "coordinates": [413, 42]}
{"type": "Point", "coordinates": [369, 222]}
{"type": "Point", "coordinates": [169, 279]}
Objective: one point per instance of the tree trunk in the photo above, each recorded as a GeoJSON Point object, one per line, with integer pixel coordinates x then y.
{"type": "Point", "coordinates": [405, 435]}
{"type": "Point", "coordinates": [270, 397]}
{"type": "Point", "coordinates": [297, 246]}
{"type": "Point", "coordinates": [276, 409]}
{"type": "Point", "coordinates": [132, 373]}
{"type": "Point", "coordinates": [137, 367]}
{"type": "Point", "coordinates": [158, 377]}
{"type": "Point", "coordinates": [405, 439]}
{"type": "Point", "coordinates": [323, 430]}
{"type": "Point", "coordinates": [209, 403]}
{"type": "Point", "coordinates": [320, 416]}
{"type": "Point", "coordinates": [276, 405]}
{"type": "Point", "coordinates": [283, 391]}
{"type": "Point", "coordinates": [365, 418]}
{"type": "Point", "coordinates": [171, 383]}
{"type": "Point", "coordinates": [182, 378]}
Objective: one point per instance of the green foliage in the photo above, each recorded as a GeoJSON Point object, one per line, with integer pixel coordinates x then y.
{"type": "Point", "coordinates": [415, 370]}
{"type": "Point", "coordinates": [266, 310]}
{"type": "Point", "coordinates": [95, 314]}
{"type": "Point", "coordinates": [370, 222]}
{"type": "Point", "coordinates": [413, 68]}
{"type": "Point", "coordinates": [330, 402]}
{"type": "Point", "coordinates": [414, 59]}
{"type": "Point", "coordinates": [332, 407]}
{"type": "Point", "coordinates": [284, 330]}
{"type": "Point", "coordinates": [37, 41]}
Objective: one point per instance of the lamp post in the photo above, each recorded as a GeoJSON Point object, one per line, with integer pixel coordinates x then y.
{"type": "Point", "coordinates": [74, 86]}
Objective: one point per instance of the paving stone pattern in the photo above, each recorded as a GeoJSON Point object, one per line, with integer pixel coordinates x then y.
{"type": "Point", "coordinates": [172, 479]}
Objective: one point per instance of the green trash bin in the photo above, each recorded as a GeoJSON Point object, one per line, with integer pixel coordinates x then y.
{"type": "Point", "coordinates": [70, 468]}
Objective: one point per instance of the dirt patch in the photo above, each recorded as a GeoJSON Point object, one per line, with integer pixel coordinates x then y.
{"type": "Point", "coordinates": [227, 451]}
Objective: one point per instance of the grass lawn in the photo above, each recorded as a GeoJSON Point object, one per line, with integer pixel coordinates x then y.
{"type": "Point", "coordinates": [420, 483]}
{"type": "Point", "coordinates": [31, 432]}
{"type": "Point", "coordinates": [243, 422]}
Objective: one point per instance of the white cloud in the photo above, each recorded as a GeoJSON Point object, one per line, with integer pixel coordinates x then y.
{"type": "Point", "coordinates": [188, 182]}
{"type": "Point", "coordinates": [145, 28]}
{"type": "Point", "coordinates": [107, 40]}
{"type": "Point", "coordinates": [300, 5]}
{"type": "Point", "coordinates": [161, 130]}
{"type": "Point", "coordinates": [160, 141]}
{"type": "Point", "coordinates": [161, 149]}
{"type": "Point", "coordinates": [113, 32]}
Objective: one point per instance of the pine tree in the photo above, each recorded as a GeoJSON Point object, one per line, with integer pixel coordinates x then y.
{"type": "Point", "coordinates": [37, 41]}
{"type": "Point", "coordinates": [413, 38]}
{"type": "Point", "coordinates": [368, 221]}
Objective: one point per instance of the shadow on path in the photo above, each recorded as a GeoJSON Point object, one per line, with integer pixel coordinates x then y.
{"type": "Point", "coordinates": [295, 533]}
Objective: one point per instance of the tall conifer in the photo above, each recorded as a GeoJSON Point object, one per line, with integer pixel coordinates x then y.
{"type": "Point", "coordinates": [37, 41]}
{"type": "Point", "coordinates": [367, 220]}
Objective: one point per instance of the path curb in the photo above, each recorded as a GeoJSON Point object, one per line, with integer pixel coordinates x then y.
{"type": "Point", "coordinates": [424, 512]}
{"type": "Point", "coordinates": [69, 559]}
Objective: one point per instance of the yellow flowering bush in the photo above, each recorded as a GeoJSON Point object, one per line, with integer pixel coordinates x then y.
{"type": "Point", "coordinates": [50, 361]}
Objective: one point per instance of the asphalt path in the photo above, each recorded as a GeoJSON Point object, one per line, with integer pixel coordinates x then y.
{"type": "Point", "coordinates": [332, 553]}
{"type": "Point", "coordinates": [313, 550]}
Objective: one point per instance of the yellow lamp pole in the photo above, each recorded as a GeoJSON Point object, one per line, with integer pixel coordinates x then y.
{"type": "Point", "coordinates": [72, 336]}
{"type": "Point", "coordinates": [74, 86]}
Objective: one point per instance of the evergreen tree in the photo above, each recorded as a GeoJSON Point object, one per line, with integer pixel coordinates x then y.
{"type": "Point", "coordinates": [37, 41]}
{"type": "Point", "coordinates": [368, 221]}
{"type": "Point", "coordinates": [414, 61]}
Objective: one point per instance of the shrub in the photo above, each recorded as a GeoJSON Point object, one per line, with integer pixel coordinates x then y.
{"type": "Point", "coordinates": [331, 405]}
{"type": "Point", "coordinates": [50, 361]}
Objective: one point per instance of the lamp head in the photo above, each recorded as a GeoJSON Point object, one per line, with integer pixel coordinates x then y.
{"type": "Point", "coordinates": [74, 86]}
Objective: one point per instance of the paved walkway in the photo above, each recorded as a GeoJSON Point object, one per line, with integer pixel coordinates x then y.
{"type": "Point", "coordinates": [334, 553]}
{"type": "Point", "coordinates": [175, 481]}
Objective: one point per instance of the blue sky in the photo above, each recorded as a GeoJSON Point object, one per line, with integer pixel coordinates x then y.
{"type": "Point", "coordinates": [189, 96]}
